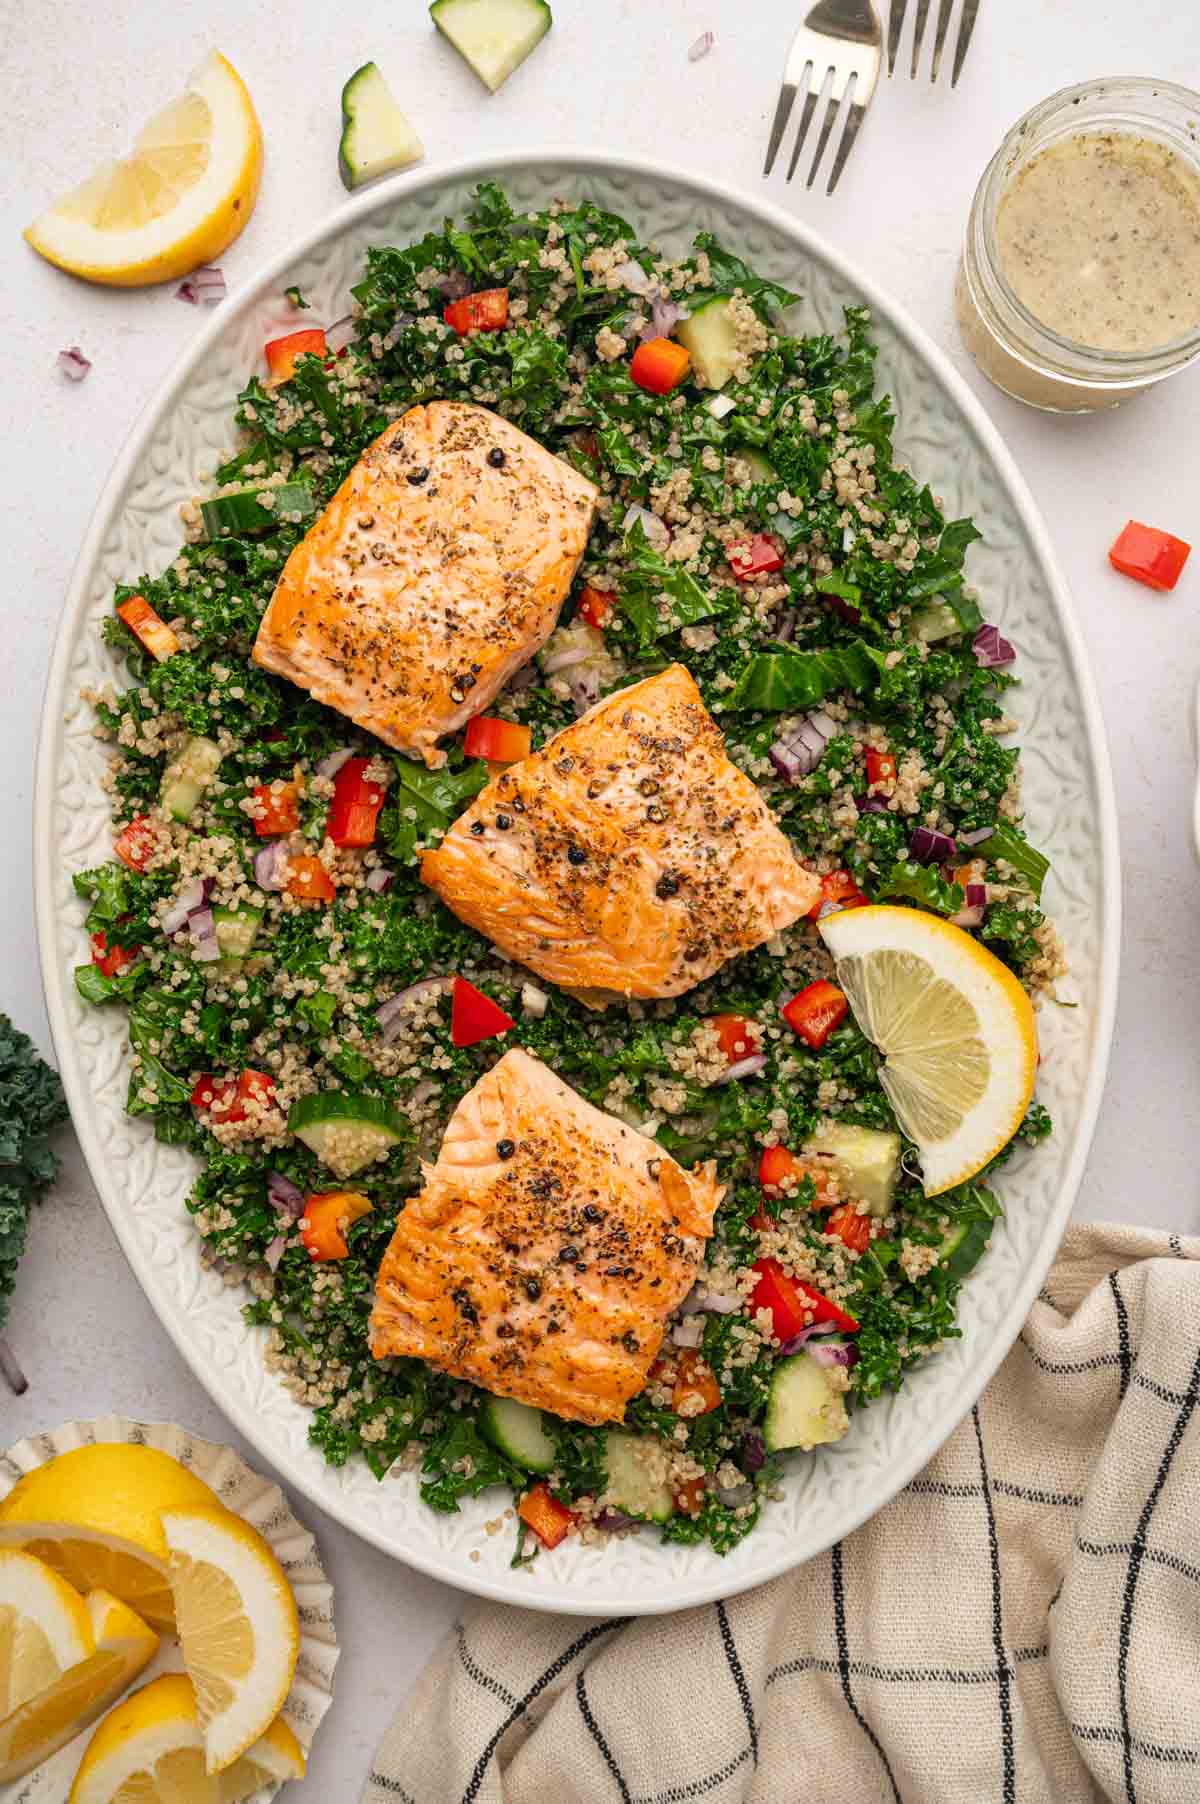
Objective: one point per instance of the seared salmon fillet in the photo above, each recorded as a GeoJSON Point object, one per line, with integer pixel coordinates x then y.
{"type": "Point", "coordinates": [629, 856]}
{"type": "Point", "coordinates": [548, 1248]}
{"type": "Point", "coordinates": [436, 571]}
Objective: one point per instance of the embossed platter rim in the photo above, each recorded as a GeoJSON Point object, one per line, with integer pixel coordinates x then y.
{"type": "Point", "coordinates": [1071, 812]}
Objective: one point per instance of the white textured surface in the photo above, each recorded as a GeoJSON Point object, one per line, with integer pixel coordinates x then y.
{"type": "Point", "coordinates": [88, 1336]}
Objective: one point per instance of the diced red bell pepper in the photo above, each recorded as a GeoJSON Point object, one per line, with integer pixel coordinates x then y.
{"type": "Point", "coordinates": [354, 810]}
{"type": "Point", "coordinates": [696, 1390]}
{"type": "Point", "coordinates": [689, 1498]}
{"type": "Point", "coordinates": [756, 556]}
{"type": "Point", "coordinates": [228, 1098]}
{"type": "Point", "coordinates": [659, 365]}
{"type": "Point", "coordinates": [321, 1223]}
{"type": "Point", "coordinates": [474, 1016]}
{"type": "Point", "coordinates": [737, 1038]}
{"type": "Point", "coordinates": [851, 1228]}
{"type": "Point", "coordinates": [550, 1520]}
{"type": "Point", "coordinates": [779, 1167]}
{"type": "Point", "coordinates": [881, 770]}
{"type": "Point", "coordinates": [111, 961]}
{"type": "Point", "coordinates": [281, 353]}
{"type": "Point", "coordinates": [277, 809]}
{"type": "Point", "coordinates": [486, 311]}
{"type": "Point", "coordinates": [589, 445]}
{"type": "Point", "coordinates": [148, 627]}
{"type": "Point", "coordinates": [838, 890]}
{"type": "Point", "coordinates": [794, 1305]}
{"type": "Point", "coordinates": [596, 606]}
{"type": "Point", "coordinates": [309, 881]}
{"type": "Point", "coordinates": [499, 741]}
{"type": "Point", "coordinates": [1149, 556]}
{"type": "Point", "coordinates": [136, 843]}
{"type": "Point", "coordinates": [815, 1011]}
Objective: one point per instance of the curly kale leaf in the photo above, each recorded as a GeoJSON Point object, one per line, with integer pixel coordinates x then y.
{"type": "Point", "coordinates": [31, 1106]}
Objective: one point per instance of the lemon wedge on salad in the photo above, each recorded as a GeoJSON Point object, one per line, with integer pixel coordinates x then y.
{"type": "Point", "coordinates": [151, 1749]}
{"type": "Point", "coordinates": [176, 201]}
{"type": "Point", "coordinates": [238, 1627]}
{"type": "Point", "coordinates": [93, 1515]}
{"type": "Point", "coordinates": [121, 1645]}
{"type": "Point", "coordinates": [955, 1027]}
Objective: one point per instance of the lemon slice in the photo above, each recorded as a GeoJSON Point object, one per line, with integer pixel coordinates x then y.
{"type": "Point", "coordinates": [238, 1626]}
{"type": "Point", "coordinates": [44, 1628]}
{"type": "Point", "coordinates": [123, 1645]}
{"type": "Point", "coordinates": [93, 1515]}
{"type": "Point", "coordinates": [956, 1029]}
{"type": "Point", "coordinates": [150, 1750]}
{"type": "Point", "coordinates": [178, 200]}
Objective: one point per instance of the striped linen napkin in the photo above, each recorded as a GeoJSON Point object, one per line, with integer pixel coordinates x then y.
{"type": "Point", "coordinates": [1021, 1625]}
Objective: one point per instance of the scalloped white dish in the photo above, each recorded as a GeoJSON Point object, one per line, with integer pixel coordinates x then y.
{"type": "Point", "coordinates": [1070, 814]}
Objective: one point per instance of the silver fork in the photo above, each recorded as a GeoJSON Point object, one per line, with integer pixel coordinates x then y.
{"type": "Point", "coordinates": [966, 26]}
{"type": "Point", "coordinates": [837, 47]}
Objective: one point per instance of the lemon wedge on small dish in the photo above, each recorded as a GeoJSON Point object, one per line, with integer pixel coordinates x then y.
{"type": "Point", "coordinates": [176, 201]}
{"type": "Point", "coordinates": [122, 1646]}
{"type": "Point", "coordinates": [44, 1628]}
{"type": "Point", "coordinates": [151, 1749]}
{"type": "Point", "coordinates": [93, 1515]}
{"type": "Point", "coordinates": [955, 1027]}
{"type": "Point", "coordinates": [238, 1627]}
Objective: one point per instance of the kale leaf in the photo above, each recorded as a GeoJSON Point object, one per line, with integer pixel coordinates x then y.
{"type": "Point", "coordinates": [31, 1105]}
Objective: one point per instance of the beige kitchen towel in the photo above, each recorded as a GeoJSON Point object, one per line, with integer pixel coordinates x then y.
{"type": "Point", "coordinates": [1021, 1625]}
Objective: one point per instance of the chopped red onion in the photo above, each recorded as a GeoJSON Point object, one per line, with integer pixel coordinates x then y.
{"type": "Point", "coordinates": [976, 837]}
{"type": "Point", "coordinates": [525, 678]}
{"type": "Point", "coordinates": [871, 804]}
{"type": "Point", "coordinates": [805, 1335]}
{"type": "Point", "coordinates": [14, 1377]}
{"type": "Point", "coordinates": [205, 285]}
{"type": "Point", "coordinates": [967, 917]}
{"type": "Point", "coordinates": [203, 931]}
{"type": "Point", "coordinates": [785, 632]}
{"type": "Point", "coordinates": [73, 363]}
{"type": "Point", "coordinates": [613, 1521]}
{"type": "Point", "coordinates": [341, 334]}
{"type": "Point", "coordinates": [787, 761]}
{"type": "Point", "coordinates": [688, 1332]}
{"type": "Point", "coordinates": [191, 897]}
{"type": "Point", "coordinates": [534, 1001]}
{"type": "Point", "coordinates": [271, 865]}
{"type": "Point", "coordinates": [378, 879]}
{"type": "Point", "coordinates": [452, 287]}
{"type": "Point", "coordinates": [802, 747]}
{"type": "Point", "coordinates": [286, 1198]}
{"type": "Point", "coordinates": [275, 1252]}
{"type": "Point", "coordinates": [658, 534]}
{"type": "Point", "coordinates": [846, 610]}
{"type": "Point", "coordinates": [930, 847]}
{"type": "Point", "coordinates": [833, 1353]}
{"type": "Point", "coordinates": [390, 1015]}
{"type": "Point", "coordinates": [701, 47]}
{"type": "Point", "coordinates": [665, 315]}
{"type": "Point", "coordinates": [566, 658]}
{"type": "Point", "coordinates": [711, 1302]}
{"type": "Point", "coordinates": [976, 896]}
{"type": "Point", "coordinates": [585, 691]}
{"type": "Point", "coordinates": [329, 767]}
{"type": "Point", "coordinates": [632, 276]}
{"type": "Point", "coordinates": [754, 1451]}
{"type": "Point", "coordinates": [720, 405]}
{"type": "Point", "coordinates": [743, 1068]}
{"type": "Point", "coordinates": [992, 650]}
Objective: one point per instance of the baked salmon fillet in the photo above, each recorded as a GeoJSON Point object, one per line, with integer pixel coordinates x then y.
{"type": "Point", "coordinates": [548, 1248]}
{"type": "Point", "coordinates": [629, 856]}
{"type": "Point", "coordinates": [436, 571]}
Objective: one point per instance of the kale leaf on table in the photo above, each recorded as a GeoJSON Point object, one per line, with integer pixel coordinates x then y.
{"type": "Point", "coordinates": [31, 1105]}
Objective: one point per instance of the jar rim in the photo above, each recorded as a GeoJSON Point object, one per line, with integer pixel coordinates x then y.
{"type": "Point", "coordinates": [1067, 358]}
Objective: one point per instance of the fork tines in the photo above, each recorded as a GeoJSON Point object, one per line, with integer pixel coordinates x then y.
{"type": "Point", "coordinates": [835, 56]}
{"type": "Point", "coordinates": [966, 25]}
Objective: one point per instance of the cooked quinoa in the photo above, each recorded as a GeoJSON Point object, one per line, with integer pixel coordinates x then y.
{"type": "Point", "coordinates": [866, 619]}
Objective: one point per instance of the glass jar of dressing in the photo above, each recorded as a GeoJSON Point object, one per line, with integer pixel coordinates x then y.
{"type": "Point", "coordinates": [1080, 279]}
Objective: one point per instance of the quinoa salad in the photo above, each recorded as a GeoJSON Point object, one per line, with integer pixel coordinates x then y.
{"type": "Point", "coordinates": [761, 534]}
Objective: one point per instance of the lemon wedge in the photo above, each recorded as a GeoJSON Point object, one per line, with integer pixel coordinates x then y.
{"type": "Point", "coordinates": [44, 1628]}
{"type": "Point", "coordinates": [150, 1750]}
{"type": "Point", "coordinates": [93, 1515]}
{"type": "Point", "coordinates": [238, 1626]}
{"type": "Point", "coordinates": [122, 1646]}
{"type": "Point", "coordinates": [956, 1029]}
{"type": "Point", "coordinates": [178, 200]}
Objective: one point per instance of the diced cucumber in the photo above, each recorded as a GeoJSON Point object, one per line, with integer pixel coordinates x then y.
{"type": "Point", "coordinates": [633, 1486]}
{"type": "Point", "coordinates": [710, 339]}
{"type": "Point", "coordinates": [755, 462]}
{"type": "Point", "coordinates": [806, 1407]}
{"type": "Point", "coordinates": [187, 777]}
{"type": "Point", "coordinates": [964, 1246]}
{"type": "Point", "coordinates": [494, 36]}
{"type": "Point", "coordinates": [376, 137]}
{"type": "Point", "coordinates": [345, 1129]}
{"type": "Point", "coordinates": [517, 1430]}
{"type": "Point", "coordinates": [228, 516]}
{"type": "Point", "coordinates": [935, 622]}
{"type": "Point", "coordinates": [237, 930]}
{"type": "Point", "coordinates": [871, 1159]}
